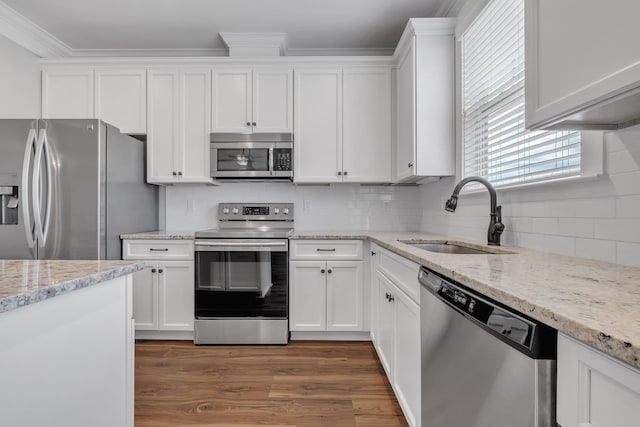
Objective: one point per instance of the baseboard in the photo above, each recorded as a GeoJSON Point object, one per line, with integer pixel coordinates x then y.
{"type": "Point", "coordinates": [164, 335]}
{"type": "Point", "coordinates": [330, 336]}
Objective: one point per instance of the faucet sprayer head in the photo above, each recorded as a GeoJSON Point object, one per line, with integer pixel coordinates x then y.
{"type": "Point", "coordinates": [451, 204]}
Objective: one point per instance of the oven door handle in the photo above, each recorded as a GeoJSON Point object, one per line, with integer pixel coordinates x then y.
{"type": "Point", "coordinates": [201, 245]}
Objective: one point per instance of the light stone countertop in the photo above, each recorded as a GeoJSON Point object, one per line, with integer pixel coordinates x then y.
{"type": "Point", "coordinates": [159, 235]}
{"type": "Point", "coordinates": [28, 282]}
{"type": "Point", "coordinates": [595, 302]}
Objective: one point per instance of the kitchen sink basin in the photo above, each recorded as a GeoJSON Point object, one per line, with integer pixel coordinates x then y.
{"type": "Point", "coordinates": [444, 247]}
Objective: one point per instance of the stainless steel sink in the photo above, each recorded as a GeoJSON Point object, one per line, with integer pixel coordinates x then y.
{"type": "Point", "coordinates": [452, 248]}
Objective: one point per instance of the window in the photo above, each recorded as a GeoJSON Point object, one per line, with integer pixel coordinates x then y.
{"type": "Point", "coordinates": [496, 144]}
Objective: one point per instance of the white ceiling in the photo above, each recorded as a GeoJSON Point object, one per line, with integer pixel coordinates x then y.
{"type": "Point", "coordinates": [193, 25]}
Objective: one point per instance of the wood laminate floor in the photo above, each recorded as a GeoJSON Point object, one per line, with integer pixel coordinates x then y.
{"type": "Point", "coordinates": [302, 384]}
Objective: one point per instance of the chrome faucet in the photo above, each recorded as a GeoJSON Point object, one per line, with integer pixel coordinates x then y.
{"type": "Point", "coordinates": [496, 227]}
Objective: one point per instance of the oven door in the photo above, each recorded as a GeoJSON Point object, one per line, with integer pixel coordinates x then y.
{"type": "Point", "coordinates": [241, 278]}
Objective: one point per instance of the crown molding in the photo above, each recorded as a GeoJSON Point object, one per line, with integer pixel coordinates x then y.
{"type": "Point", "coordinates": [148, 53]}
{"type": "Point", "coordinates": [255, 44]}
{"type": "Point", "coordinates": [27, 34]}
{"type": "Point", "coordinates": [340, 51]}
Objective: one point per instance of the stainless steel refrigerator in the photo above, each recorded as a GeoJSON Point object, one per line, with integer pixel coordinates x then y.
{"type": "Point", "coordinates": [69, 188]}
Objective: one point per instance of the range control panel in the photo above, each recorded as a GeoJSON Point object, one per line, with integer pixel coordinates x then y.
{"type": "Point", "coordinates": [255, 212]}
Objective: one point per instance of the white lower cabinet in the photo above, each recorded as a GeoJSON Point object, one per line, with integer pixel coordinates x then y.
{"type": "Point", "coordinates": [326, 296]}
{"type": "Point", "coordinates": [595, 390]}
{"type": "Point", "coordinates": [163, 293]}
{"type": "Point", "coordinates": [396, 331]}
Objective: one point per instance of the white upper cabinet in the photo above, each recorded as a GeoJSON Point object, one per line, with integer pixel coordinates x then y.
{"type": "Point", "coordinates": [67, 94]}
{"type": "Point", "coordinates": [272, 100]}
{"type": "Point", "coordinates": [121, 99]}
{"type": "Point", "coordinates": [178, 129]}
{"type": "Point", "coordinates": [318, 126]}
{"type": "Point", "coordinates": [582, 64]}
{"type": "Point", "coordinates": [342, 125]}
{"type": "Point", "coordinates": [425, 100]}
{"type": "Point", "coordinates": [366, 124]}
{"type": "Point", "coordinates": [252, 100]}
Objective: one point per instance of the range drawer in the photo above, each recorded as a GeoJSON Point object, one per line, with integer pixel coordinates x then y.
{"type": "Point", "coordinates": [401, 271]}
{"type": "Point", "coordinates": [157, 249]}
{"type": "Point", "coordinates": [325, 249]}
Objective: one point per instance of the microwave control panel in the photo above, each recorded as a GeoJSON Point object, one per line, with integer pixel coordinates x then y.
{"type": "Point", "coordinates": [282, 159]}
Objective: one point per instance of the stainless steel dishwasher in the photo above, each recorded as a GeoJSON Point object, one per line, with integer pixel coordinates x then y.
{"type": "Point", "coordinates": [483, 365]}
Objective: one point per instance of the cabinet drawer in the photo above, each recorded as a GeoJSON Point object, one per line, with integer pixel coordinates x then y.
{"type": "Point", "coordinates": [326, 249]}
{"type": "Point", "coordinates": [401, 271]}
{"type": "Point", "coordinates": [157, 249]}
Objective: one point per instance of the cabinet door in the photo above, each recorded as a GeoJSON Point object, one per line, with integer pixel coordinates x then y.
{"type": "Point", "coordinates": [67, 94]}
{"type": "Point", "coordinates": [273, 100]}
{"type": "Point", "coordinates": [195, 118]}
{"type": "Point", "coordinates": [121, 99]}
{"type": "Point", "coordinates": [164, 132]}
{"type": "Point", "coordinates": [145, 298]}
{"type": "Point", "coordinates": [231, 101]}
{"type": "Point", "coordinates": [344, 296]}
{"type": "Point", "coordinates": [386, 324]}
{"type": "Point", "coordinates": [406, 114]}
{"type": "Point", "coordinates": [366, 146]}
{"type": "Point", "coordinates": [175, 296]}
{"type": "Point", "coordinates": [406, 377]}
{"type": "Point", "coordinates": [318, 125]}
{"type": "Point", "coordinates": [307, 295]}
{"type": "Point", "coordinates": [595, 390]}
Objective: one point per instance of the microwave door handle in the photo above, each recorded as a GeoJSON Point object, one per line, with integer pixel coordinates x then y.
{"type": "Point", "coordinates": [271, 160]}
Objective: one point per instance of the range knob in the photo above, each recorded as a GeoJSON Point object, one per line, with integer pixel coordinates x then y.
{"type": "Point", "coordinates": [235, 211]}
{"type": "Point", "coordinates": [276, 211]}
{"type": "Point", "coordinates": [285, 211]}
{"type": "Point", "coordinates": [225, 211]}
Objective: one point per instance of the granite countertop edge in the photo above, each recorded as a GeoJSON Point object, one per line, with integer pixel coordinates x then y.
{"type": "Point", "coordinates": [612, 342]}
{"type": "Point", "coordinates": [29, 297]}
{"type": "Point", "coordinates": [159, 235]}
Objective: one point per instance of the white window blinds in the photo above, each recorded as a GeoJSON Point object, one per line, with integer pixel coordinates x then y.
{"type": "Point", "coordinates": [496, 144]}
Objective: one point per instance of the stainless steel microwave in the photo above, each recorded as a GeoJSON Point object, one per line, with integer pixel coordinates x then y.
{"type": "Point", "coordinates": [252, 156]}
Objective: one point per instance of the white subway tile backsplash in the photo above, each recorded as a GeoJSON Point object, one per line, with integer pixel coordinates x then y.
{"type": "Point", "coordinates": [628, 253]}
{"type": "Point", "coordinates": [604, 250]}
{"type": "Point", "coordinates": [594, 218]}
{"type": "Point", "coordinates": [576, 227]}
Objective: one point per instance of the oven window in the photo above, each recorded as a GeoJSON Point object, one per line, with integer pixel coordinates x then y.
{"type": "Point", "coordinates": [243, 159]}
{"type": "Point", "coordinates": [241, 284]}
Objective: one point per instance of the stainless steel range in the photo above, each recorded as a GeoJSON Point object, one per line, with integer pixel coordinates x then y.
{"type": "Point", "coordinates": [242, 275]}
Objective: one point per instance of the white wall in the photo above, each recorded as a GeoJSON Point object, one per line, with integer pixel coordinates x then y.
{"type": "Point", "coordinates": [19, 81]}
{"type": "Point", "coordinates": [598, 219]}
{"type": "Point", "coordinates": [336, 207]}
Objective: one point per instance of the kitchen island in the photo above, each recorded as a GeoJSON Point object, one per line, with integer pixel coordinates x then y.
{"type": "Point", "coordinates": [66, 334]}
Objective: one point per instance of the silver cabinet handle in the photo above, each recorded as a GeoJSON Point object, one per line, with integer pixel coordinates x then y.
{"type": "Point", "coordinates": [325, 250]}
{"type": "Point", "coordinates": [410, 165]}
{"type": "Point", "coordinates": [253, 124]}
{"type": "Point", "coordinates": [174, 173]}
{"type": "Point", "coordinates": [345, 173]}
{"type": "Point", "coordinates": [180, 173]}
{"type": "Point", "coordinates": [322, 271]}
{"type": "Point", "coordinates": [153, 270]}
{"type": "Point", "coordinates": [160, 271]}
{"type": "Point", "coordinates": [248, 123]}
{"type": "Point", "coordinates": [159, 249]}
{"type": "Point", "coordinates": [329, 271]}
{"type": "Point", "coordinates": [339, 173]}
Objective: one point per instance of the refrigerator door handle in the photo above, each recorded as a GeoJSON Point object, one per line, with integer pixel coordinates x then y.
{"type": "Point", "coordinates": [26, 214]}
{"type": "Point", "coordinates": [37, 191]}
{"type": "Point", "coordinates": [49, 196]}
